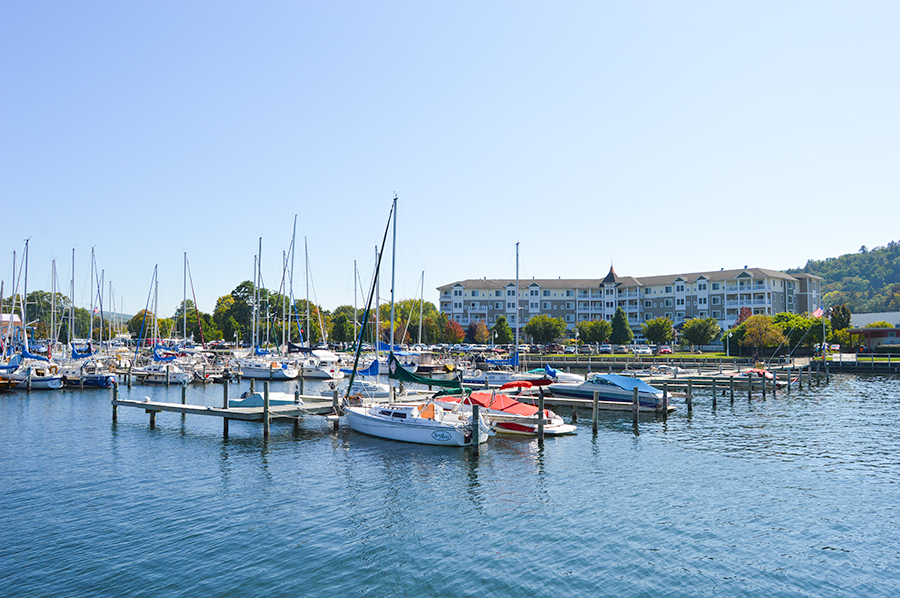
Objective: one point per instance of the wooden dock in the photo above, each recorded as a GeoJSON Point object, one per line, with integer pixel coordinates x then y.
{"type": "Point", "coordinates": [304, 405]}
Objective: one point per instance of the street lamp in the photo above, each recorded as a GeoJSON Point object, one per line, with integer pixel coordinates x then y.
{"type": "Point", "coordinates": [727, 344]}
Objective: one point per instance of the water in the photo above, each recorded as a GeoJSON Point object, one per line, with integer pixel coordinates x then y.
{"type": "Point", "coordinates": [793, 496]}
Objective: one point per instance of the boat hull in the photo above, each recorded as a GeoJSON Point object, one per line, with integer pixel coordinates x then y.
{"type": "Point", "coordinates": [419, 431]}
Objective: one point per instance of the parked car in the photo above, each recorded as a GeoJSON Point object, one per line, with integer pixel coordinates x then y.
{"type": "Point", "coordinates": [554, 348]}
{"type": "Point", "coordinates": [604, 348]}
{"type": "Point", "coordinates": [642, 351]}
{"type": "Point", "coordinates": [664, 350]}
{"type": "Point", "coordinates": [569, 350]}
{"type": "Point", "coordinates": [620, 349]}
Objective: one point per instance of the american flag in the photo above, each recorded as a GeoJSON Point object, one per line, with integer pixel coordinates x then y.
{"type": "Point", "coordinates": [818, 313]}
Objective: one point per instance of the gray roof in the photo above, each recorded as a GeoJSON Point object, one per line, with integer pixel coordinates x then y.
{"type": "Point", "coordinates": [627, 281]}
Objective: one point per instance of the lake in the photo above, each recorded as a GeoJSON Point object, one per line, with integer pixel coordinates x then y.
{"type": "Point", "coordinates": [792, 496]}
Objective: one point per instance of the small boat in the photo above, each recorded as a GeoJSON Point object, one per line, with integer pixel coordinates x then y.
{"type": "Point", "coordinates": [40, 376]}
{"type": "Point", "coordinates": [267, 370]}
{"type": "Point", "coordinates": [759, 373]}
{"type": "Point", "coordinates": [322, 364]}
{"type": "Point", "coordinates": [615, 392]}
{"type": "Point", "coordinates": [362, 389]}
{"type": "Point", "coordinates": [256, 399]}
{"type": "Point", "coordinates": [162, 373]}
{"type": "Point", "coordinates": [421, 423]}
{"type": "Point", "coordinates": [508, 415]}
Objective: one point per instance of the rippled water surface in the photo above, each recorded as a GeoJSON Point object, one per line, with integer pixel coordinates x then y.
{"type": "Point", "coordinates": [792, 496]}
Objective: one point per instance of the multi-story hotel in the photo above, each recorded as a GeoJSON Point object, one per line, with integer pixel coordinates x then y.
{"type": "Point", "coordinates": [720, 294]}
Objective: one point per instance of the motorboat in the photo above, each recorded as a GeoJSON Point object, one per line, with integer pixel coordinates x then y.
{"type": "Point", "coordinates": [421, 423]}
{"type": "Point", "coordinates": [91, 373]}
{"type": "Point", "coordinates": [362, 389]}
{"type": "Point", "coordinates": [615, 392]}
{"type": "Point", "coordinates": [508, 415]}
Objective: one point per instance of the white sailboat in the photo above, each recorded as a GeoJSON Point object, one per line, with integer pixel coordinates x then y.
{"type": "Point", "coordinates": [421, 423]}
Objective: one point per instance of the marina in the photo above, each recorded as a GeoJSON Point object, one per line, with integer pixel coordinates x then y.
{"type": "Point", "coordinates": [784, 496]}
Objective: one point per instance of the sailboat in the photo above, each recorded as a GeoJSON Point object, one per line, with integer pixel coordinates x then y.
{"type": "Point", "coordinates": [421, 423]}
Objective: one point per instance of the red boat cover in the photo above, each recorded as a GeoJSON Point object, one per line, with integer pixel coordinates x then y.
{"type": "Point", "coordinates": [500, 402]}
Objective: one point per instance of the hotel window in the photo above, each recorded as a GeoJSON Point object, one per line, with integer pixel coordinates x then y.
{"type": "Point", "coordinates": [669, 315]}
{"type": "Point", "coordinates": [570, 305]}
{"type": "Point", "coordinates": [679, 288]}
{"type": "Point", "coordinates": [498, 305]}
{"type": "Point", "coordinates": [546, 305]}
{"type": "Point", "coordinates": [647, 291]}
{"type": "Point", "coordinates": [533, 293]}
{"type": "Point", "coordinates": [510, 292]}
{"type": "Point", "coordinates": [716, 300]}
{"type": "Point", "coordinates": [668, 303]}
{"type": "Point", "coordinates": [668, 289]}
{"type": "Point", "coordinates": [570, 318]}
{"type": "Point", "coordinates": [498, 293]}
{"type": "Point", "coordinates": [457, 293]}
{"type": "Point", "coordinates": [679, 314]}
{"type": "Point", "coordinates": [701, 286]}
{"type": "Point", "coordinates": [715, 286]}
{"type": "Point", "coordinates": [546, 293]}
{"type": "Point", "coordinates": [474, 293]}
{"type": "Point", "coordinates": [457, 305]}
{"type": "Point", "coordinates": [680, 303]}
{"type": "Point", "coordinates": [511, 305]}
{"type": "Point", "coordinates": [701, 301]}
{"type": "Point", "coordinates": [717, 314]}
{"type": "Point", "coordinates": [648, 317]}
{"type": "Point", "coordinates": [570, 293]}
{"type": "Point", "coordinates": [702, 314]}
{"type": "Point", "coordinates": [533, 305]}
{"type": "Point", "coordinates": [648, 304]}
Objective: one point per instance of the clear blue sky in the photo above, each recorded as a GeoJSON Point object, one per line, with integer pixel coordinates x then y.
{"type": "Point", "coordinates": [660, 136]}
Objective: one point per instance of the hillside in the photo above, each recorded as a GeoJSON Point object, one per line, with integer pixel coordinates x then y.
{"type": "Point", "coordinates": [866, 281]}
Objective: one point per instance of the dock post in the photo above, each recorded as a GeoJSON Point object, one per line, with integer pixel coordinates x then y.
{"type": "Point", "coordinates": [800, 378]}
{"type": "Point", "coordinates": [714, 393]}
{"type": "Point", "coordinates": [635, 405]}
{"type": "Point", "coordinates": [789, 372]}
{"type": "Point", "coordinates": [115, 398]}
{"type": "Point", "coordinates": [296, 417]}
{"type": "Point", "coordinates": [731, 383]}
{"type": "Point", "coordinates": [225, 405]}
{"type": "Point", "coordinates": [476, 432]}
{"type": "Point", "coordinates": [184, 394]}
{"type": "Point", "coordinates": [128, 377]}
{"type": "Point", "coordinates": [764, 386]}
{"type": "Point", "coordinates": [152, 419]}
{"type": "Point", "coordinates": [336, 406]}
{"type": "Point", "coordinates": [574, 414]}
{"type": "Point", "coordinates": [252, 385]}
{"type": "Point", "coordinates": [596, 406]}
{"type": "Point", "coordinates": [540, 420]}
{"type": "Point", "coordinates": [301, 385]}
{"type": "Point", "coordinates": [774, 384]}
{"type": "Point", "coordinates": [690, 396]}
{"type": "Point", "coordinates": [665, 399]}
{"type": "Point", "coordinates": [749, 385]}
{"type": "Point", "coordinates": [266, 410]}
{"type": "Point", "coordinates": [28, 383]}
{"type": "Point", "coordinates": [167, 375]}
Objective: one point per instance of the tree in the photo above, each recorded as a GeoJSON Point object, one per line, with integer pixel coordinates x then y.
{"type": "Point", "coordinates": [759, 331]}
{"type": "Point", "coordinates": [743, 314]}
{"type": "Point", "coordinates": [658, 330]}
{"type": "Point", "coordinates": [471, 329]}
{"type": "Point", "coordinates": [453, 332]}
{"type": "Point", "coordinates": [544, 329]}
{"type": "Point", "coordinates": [621, 331]}
{"type": "Point", "coordinates": [840, 317]}
{"type": "Point", "coordinates": [594, 331]}
{"type": "Point", "coordinates": [700, 331]}
{"type": "Point", "coordinates": [879, 324]}
{"type": "Point", "coordinates": [142, 320]}
{"type": "Point", "coordinates": [341, 329]}
{"type": "Point", "coordinates": [502, 330]}
{"type": "Point", "coordinates": [482, 334]}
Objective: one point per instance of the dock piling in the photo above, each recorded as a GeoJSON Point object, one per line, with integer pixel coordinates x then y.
{"type": "Point", "coordinates": [540, 420]}
{"type": "Point", "coordinates": [635, 404]}
{"type": "Point", "coordinates": [225, 405]}
{"type": "Point", "coordinates": [476, 432]}
{"type": "Point", "coordinates": [596, 408]}
{"type": "Point", "coordinates": [115, 398]}
{"type": "Point", "coordinates": [714, 392]}
{"type": "Point", "coordinates": [266, 409]}
{"type": "Point", "coordinates": [336, 405]}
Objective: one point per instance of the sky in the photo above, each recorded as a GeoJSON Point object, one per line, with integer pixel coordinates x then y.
{"type": "Point", "coordinates": [659, 137]}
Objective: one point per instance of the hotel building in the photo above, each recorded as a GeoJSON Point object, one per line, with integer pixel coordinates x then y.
{"type": "Point", "coordinates": [719, 294]}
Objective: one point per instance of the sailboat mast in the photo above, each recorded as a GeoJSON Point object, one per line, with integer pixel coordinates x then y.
{"type": "Point", "coordinates": [91, 286]}
{"type": "Point", "coordinates": [52, 337]}
{"type": "Point", "coordinates": [72, 303]}
{"type": "Point", "coordinates": [421, 306]}
{"type": "Point", "coordinates": [393, 271]}
{"type": "Point", "coordinates": [355, 311]}
{"type": "Point", "coordinates": [517, 305]}
{"type": "Point", "coordinates": [184, 297]}
{"type": "Point", "coordinates": [308, 331]}
{"type": "Point", "coordinates": [291, 282]}
{"type": "Point", "coordinates": [25, 299]}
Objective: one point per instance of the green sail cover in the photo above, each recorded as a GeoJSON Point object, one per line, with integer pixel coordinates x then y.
{"type": "Point", "coordinates": [397, 372]}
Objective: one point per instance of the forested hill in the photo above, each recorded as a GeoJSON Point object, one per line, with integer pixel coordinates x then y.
{"type": "Point", "coordinates": [866, 281]}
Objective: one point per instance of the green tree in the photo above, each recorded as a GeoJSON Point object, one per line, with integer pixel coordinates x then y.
{"type": "Point", "coordinates": [503, 331]}
{"type": "Point", "coordinates": [658, 330]}
{"type": "Point", "coordinates": [341, 329]}
{"type": "Point", "coordinates": [840, 317]}
{"type": "Point", "coordinates": [544, 329]}
{"type": "Point", "coordinates": [621, 331]}
{"type": "Point", "coordinates": [594, 331]}
{"type": "Point", "coordinates": [141, 320]}
{"type": "Point", "coordinates": [879, 324]}
{"type": "Point", "coordinates": [760, 331]}
{"type": "Point", "coordinates": [700, 331]}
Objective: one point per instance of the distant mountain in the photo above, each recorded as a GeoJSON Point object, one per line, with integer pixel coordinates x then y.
{"type": "Point", "coordinates": [867, 281]}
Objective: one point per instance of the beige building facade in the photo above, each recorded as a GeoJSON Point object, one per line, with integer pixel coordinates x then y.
{"type": "Point", "coordinates": [718, 294]}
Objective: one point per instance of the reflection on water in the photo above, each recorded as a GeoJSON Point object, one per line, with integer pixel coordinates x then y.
{"type": "Point", "coordinates": [791, 496]}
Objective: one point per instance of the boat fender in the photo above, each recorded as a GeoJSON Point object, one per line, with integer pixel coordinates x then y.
{"type": "Point", "coordinates": [478, 373]}
{"type": "Point", "coordinates": [273, 365]}
{"type": "Point", "coordinates": [53, 369]}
